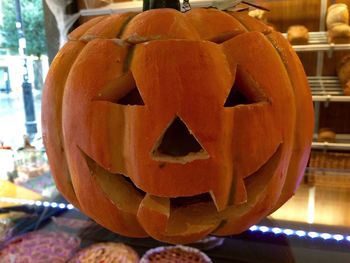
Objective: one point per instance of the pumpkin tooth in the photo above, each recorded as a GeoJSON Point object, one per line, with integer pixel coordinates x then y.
{"type": "Point", "coordinates": [238, 194]}
{"type": "Point", "coordinates": [154, 209]}
{"type": "Point", "coordinates": [260, 197]}
{"type": "Point", "coordinates": [183, 224]}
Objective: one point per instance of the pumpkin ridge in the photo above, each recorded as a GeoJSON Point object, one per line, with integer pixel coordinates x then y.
{"type": "Point", "coordinates": [128, 59]}
{"type": "Point", "coordinates": [69, 54]}
{"type": "Point", "coordinates": [223, 37]}
{"type": "Point", "coordinates": [282, 56]}
{"type": "Point", "coordinates": [165, 23]}
{"type": "Point", "coordinates": [302, 149]}
{"type": "Point", "coordinates": [239, 21]}
{"type": "Point", "coordinates": [125, 24]}
{"type": "Point", "coordinates": [255, 26]}
{"type": "Point", "coordinates": [77, 33]}
{"type": "Point", "coordinates": [107, 28]}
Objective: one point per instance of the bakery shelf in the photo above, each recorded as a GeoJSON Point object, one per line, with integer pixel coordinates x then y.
{"type": "Point", "coordinates": [318, 42]}
{"type": "Point", "coordinates": [331, 146]}
{"type": "Point", "coordinates": [325, 89]}
{"type": "Point", "coordinates": [343, 138]}
{"type": "Point", "coordinates": [342, 143]}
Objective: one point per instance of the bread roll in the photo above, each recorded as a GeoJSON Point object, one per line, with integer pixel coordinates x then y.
{"type": "Point", "coordinates": [326, 135]}
{"type": "Point", "coordinates": [337, 13]}
{"type": "Point", "coordinates": [346, 88]}
{"type": "Point", "coordinates": [339, 34]}
{"type": "Point", "coordinates": [258, 14]}
{"type": "Point", "coordinates": [343, 69]}
{"type": "Point", "coordinates": [298, 35]}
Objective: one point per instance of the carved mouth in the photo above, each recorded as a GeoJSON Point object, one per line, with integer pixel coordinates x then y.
{"type": "Point", "coordinates": [110, 183]}
{"type": "Point", "coordinates": [194, 216]}
{"type": "Point", "coordinates": [122, 191]}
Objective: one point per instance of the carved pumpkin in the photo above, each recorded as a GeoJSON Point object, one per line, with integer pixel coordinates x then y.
{"type": "Point", "coordinates": [177, 125]}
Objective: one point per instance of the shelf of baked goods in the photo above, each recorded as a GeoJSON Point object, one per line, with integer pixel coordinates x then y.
{"type": "Point", "coordinates": [331, 141]}
{"type": "Point", "coordinates": [331, 146]}
{"type": "Point", "coordinates": [326, 89]}
{"type": "Point", "coordinates": [318, 41]}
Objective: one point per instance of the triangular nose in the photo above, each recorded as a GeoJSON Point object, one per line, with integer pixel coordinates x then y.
{"type": "Point", "coordinates": [177, 144]}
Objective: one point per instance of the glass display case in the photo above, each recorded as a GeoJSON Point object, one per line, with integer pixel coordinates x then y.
{"type": "Point", "coordinates": [313, 226]}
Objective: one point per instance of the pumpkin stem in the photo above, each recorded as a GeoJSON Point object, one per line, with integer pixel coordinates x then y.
{"type": "Point", "coordinates": [153, 4]}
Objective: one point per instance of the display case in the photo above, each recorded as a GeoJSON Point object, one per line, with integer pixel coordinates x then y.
{"type": "Point", "coordinates": [313, 226]}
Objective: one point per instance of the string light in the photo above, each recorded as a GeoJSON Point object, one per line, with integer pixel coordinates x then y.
{"type": "Point", "coordinates": [299, 233]}
{"type": "Point", "coordinates": [37, 203]}
{"type": "Point", "coordinates": [313, 234]}
{"type": "Point", "coordinates": [264, 229]}
{"type": "Point", "coordinates": [276, 230]}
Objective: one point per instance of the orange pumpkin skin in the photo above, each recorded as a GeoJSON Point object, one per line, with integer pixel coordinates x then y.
{"type": "Point", "coordinates": [233, 83]}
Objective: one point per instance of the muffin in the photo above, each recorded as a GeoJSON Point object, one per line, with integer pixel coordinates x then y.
{"type": "Point", "coordinates": [108, 252]}
{"type": "Point", "coordinates": [175, 254]}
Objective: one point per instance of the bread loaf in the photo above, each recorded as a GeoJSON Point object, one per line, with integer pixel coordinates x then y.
{"type": "Point", "coordinates": [339, 33]}
{"type": "Point", "coordinates": [337, 13]}
{"type": "Point", "coordinates": [298, 35]}
{"type": "Point", "coordinates": [326, 135]}
{"type": "Point", "coordinates": [346, 88]}
{"type": "Point", "coordinates": [343, 69]}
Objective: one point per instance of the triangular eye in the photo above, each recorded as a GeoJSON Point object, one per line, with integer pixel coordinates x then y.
{"type": "Point", "coordinates": [245, 90]}
{"type": "Point", "coordinates": [177, 144]}
{"type": "Point", "coordinates": [236, 97]}
{"type": "Point", "coordinates": [133, 97]}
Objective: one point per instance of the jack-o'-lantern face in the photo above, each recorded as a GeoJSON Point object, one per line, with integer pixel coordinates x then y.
{"type": "Point", "coordinates": [180, 134]}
